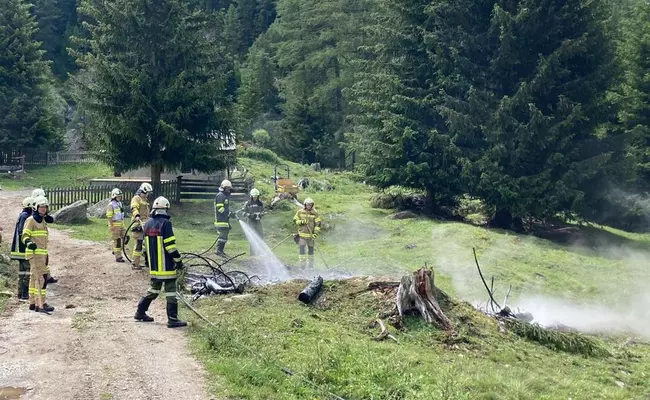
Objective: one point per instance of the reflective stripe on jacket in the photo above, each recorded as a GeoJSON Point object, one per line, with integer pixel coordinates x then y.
{"type": "Point", "coordinates": [115, 214]}
{"type": "Point", "coordinates": [222, 210]}
{"type": "Point", "coordinates": [313, 222]}
{"type": "Point", "coordinates": [139, 207]}
{"type": "Point", "coordinates": [17, 246]}
{"type": "Point", "coordinates": [36, 231]}
{"type": "Point", "coordinates": [161, 247]}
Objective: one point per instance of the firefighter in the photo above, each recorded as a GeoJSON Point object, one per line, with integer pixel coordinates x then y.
{"type": "Point", "coordinates": [139, 214]}
{"type": "Point", "coordinates": [164, 262]}
{"type": "Point", "coordinates": [253, 211]}
{"type": "Point", "coordinates": [308, 222]}
{"type": "Point", "coordinates": [36, 193]}
{"type": "Point", "coordinates": [35, 239]}
{"type": "Point", "coordinates": [222, 216]}
{"type": "Point", "coordinates": [18, 249]}
{"type": "Point", "coordinates": [115, 215]}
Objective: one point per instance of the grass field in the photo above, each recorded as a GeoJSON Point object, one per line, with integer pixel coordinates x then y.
{"type": "Point", "coordinates": [331, 343]}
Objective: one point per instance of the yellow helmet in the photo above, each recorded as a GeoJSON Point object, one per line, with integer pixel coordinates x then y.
{"type": "Point", "coordinates": [28, 202]}
{"type": "Point", "coordinates": [38, 193]}
{"type": "Point", "coordinates": [309, 200]}
{"type": "Point", "coordinates": [115, 192]}
{"type": "Point", "coordinates": [160, 203]}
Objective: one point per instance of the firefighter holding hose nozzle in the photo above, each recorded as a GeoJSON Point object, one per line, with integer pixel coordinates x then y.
{"type": "Point", "coordinates": [253, 211]}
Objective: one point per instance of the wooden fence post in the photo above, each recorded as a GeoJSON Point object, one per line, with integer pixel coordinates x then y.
{"type": "Point", "coordinates": [179, 184]}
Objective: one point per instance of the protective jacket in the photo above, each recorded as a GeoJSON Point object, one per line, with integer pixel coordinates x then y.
{"type": "Point", "coordinates": [222, 210]}
{"type": "Point", "coordinates": [17, 246]}
{"type": "Point", "coordinates": [251, 208]}
{"type": "Point", "coordinates": [161, 247]}
{"type": "Point", "coordinates": [35, 230]}
{"type": "Point", "coordinates": [139, 208]}
{"type": "Point", "coordinates": [115, 214]}
{"type": "Point", "coordinates": [308, 222]}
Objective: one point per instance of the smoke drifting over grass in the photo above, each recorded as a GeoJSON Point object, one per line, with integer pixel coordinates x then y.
{"type": "Point", "coordinates": [603, 289]}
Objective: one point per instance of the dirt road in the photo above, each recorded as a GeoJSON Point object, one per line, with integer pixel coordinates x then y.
{"type": "Point", "coordinates": [94, 350]}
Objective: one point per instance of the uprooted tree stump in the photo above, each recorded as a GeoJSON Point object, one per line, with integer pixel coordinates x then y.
{"type": "Point", "coordinates": [417, 291]}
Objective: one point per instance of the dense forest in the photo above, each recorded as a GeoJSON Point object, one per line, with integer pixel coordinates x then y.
{"type": "Point", "coordinates": [540, 108]}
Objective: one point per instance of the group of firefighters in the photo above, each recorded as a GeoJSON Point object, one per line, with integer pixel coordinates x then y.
{"type": "Point", "coordinates": [151, 230]}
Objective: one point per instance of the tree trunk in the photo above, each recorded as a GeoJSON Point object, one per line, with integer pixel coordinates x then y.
{"type": "Point", "coordinates": [156, 171]}
{"type": "Point", "coordinates": [503, 219]}
{"type": "Point", "coordinates": [417, 291]}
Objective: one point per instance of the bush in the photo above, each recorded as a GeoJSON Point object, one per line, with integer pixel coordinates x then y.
{"type": "Point", "coordinates": [261, 154]}
{"type": "Point", "coordinates": [261, 138]}
{"type": "Point", "coordinates": [398, 198]}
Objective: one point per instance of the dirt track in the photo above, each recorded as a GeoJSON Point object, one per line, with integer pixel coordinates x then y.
{"type": "Point", "coordinates": [94, 350]}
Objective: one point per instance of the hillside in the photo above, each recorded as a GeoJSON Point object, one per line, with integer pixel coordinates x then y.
{"type": "Point", "coordinates": [596, 284]}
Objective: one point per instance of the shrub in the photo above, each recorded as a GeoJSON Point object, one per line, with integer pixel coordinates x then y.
{"type": "Point", "coordinates": [261, 138]}
{"type": "Point", "coordinates": [261, 154]}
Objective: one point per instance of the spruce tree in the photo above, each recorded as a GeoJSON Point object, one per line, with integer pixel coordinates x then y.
{"type": "Point", "coordinates": [399, 138]}
{"type": "Point", "coordinates": [533, 99]}
{"type": "Point", "coordinates": [155, 86]}
{"type": "Point", "coordinates": [27, 118]}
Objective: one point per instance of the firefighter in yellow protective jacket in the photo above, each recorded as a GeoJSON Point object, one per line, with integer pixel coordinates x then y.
{"type": "Point", "coordinates": [115, 215]}
{"type": "Point", "coordinates": [164, 262]}
{"type": "Point", "coordinates": [308, 222]}
{"type": "Point", "coordinates": [35, 238]}
{"type": "Point", "coordinates": [139, 214]}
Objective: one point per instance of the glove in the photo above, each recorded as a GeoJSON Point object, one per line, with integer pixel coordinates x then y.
{"type": "Point", "coordinates": [137, 228]}
{"type": "Point", "coordinates": [137, 218]}
{"type": "Point", "coordinates": [314, 235]}
{"type": "Point", "coordinates": [32, 246]}
{"type": "Point", "coordinates": [179, 265]}
{"type": "Point", "coordinates": [232, 215]}
{"type": "Point", "coordinates": [49, 219]}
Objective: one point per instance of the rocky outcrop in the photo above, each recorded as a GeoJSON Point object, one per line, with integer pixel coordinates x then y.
{"type": "Point", "coordinates": [75, 213]}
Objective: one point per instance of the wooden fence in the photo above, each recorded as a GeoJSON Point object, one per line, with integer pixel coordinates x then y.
{"type": "Point", "coordinates": [207, 189]}
{"type": "Point", "coordinates": [61, 197]}
{"type": "Point", "coordinates": [35, 157]}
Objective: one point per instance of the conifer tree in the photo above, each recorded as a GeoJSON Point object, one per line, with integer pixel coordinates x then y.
{"type": "Point", "coordinates": [26, 115]}
{"type": "Point", "coordinates": [155, 86]}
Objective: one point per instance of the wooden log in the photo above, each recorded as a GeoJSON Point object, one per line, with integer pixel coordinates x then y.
{"type": "Point", "coordinates": [417, 291]}
{"type": "Point", "coordinates": [311, 290]}
{"type": "Point", "coordinates": [382, 285]}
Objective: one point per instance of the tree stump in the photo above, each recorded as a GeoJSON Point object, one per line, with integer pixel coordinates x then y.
{"type": "Point", "coordinates": [417, 291]}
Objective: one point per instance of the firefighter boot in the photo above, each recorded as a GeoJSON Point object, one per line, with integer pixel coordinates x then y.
{"type": "Point", "coordinates": [220, 247]}
{"type": "Point", "coordinates": [172, 316]}
{"type": "Point", "coordinates": [141, 313]}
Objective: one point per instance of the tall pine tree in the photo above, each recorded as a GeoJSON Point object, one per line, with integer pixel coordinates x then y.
{"type": "Point", "coordinates": [155, 86]}
{"type": "Point", "coordinates": [26, 115]}
{"type": "Point", "coordinates": [534, 101]}
{"type": "Point", "coordinates": [399, 138]}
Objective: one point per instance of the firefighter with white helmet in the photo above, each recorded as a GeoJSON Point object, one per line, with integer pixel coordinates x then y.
{"type": "Point", "coordinates": [115, 216]}
{"type": "Point", "coordinates": [35, 239]}
{"type": "Point", "coordinates": [222, 216]}
{"type": "Point", "coordinates": [253, 211]}
{"type": "Point", "coordinates": [18, 249]}
{"type": "Point", "coordinates": [309, 227]}
{"type": "Point", "coordinates": [36, 193]}
{"type": "Point", "coordinates": [139, 214]}
{"type": "Point", "coordinates": [164, 262]}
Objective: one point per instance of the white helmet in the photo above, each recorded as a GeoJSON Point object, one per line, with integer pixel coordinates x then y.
{"type": "Point", "coordinates": [38, 193]}
{"type": "Point", "coordinates": [28, 202]}
{"type": "Point", "coordinates": [146, 188]}
{"type": "Point", "coordinates": [159, 203]}
{"type": "Point", "coordinates": [41, 201]}
{"type": "Point", "coordinates": [115, 192]}
{"type": "Point", "coordinates": [226, 184]}
{"type": "Point", "coordinates": [255, 192]}
{"type": "Point", "coordinates": [309, 200]}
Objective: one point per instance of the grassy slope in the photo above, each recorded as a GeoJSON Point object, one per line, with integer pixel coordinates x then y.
{"type": "Point", "coordinates": [60, 175]}
{"type": "Point", "coordinates": [333, 346]}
